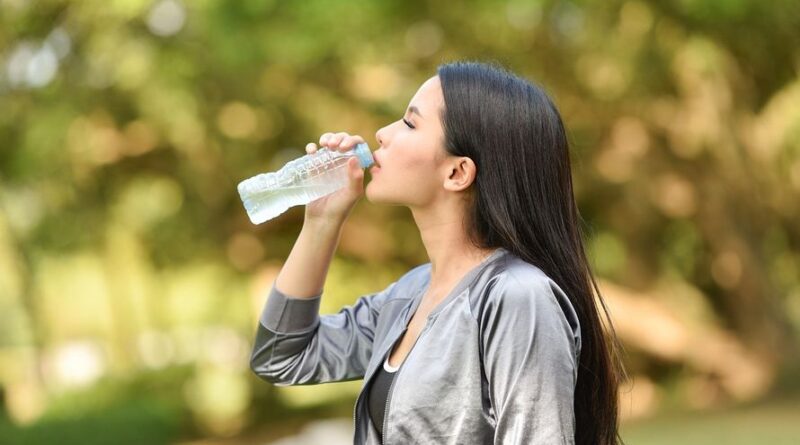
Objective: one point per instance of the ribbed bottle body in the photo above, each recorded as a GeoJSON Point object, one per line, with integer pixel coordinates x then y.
{"type": "Point", "coordinates": [299, 182]}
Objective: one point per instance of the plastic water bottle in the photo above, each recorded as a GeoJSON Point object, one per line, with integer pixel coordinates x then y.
{"type": "Point", "coordinates": [299, 182]}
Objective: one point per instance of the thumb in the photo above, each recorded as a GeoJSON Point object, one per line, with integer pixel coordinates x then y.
{"type": "Point", "coordinates": [356, 173]}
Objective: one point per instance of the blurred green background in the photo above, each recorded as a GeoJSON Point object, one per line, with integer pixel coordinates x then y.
{"type": "Point", "coordinates": [131, 279]}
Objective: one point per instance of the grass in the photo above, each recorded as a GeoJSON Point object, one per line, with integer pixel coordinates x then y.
{"type": "Point", "coordinates": [135, 423]}
{"type": "Point", "coordinates": [774, 422]}
{"type": "Point", "coordinates": [146, 421]}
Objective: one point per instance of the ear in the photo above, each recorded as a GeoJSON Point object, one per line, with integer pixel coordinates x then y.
{"type": "Point", "coordinates": [460, 174]}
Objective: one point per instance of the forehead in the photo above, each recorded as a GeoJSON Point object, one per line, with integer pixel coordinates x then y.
{"type": "Point", "coordinates": [429, 96]}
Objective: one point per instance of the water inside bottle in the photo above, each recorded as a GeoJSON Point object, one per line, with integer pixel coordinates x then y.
{"type": "Point", "coordinates": [265, 197]}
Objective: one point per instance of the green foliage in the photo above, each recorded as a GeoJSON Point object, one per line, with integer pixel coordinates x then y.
{"type": "Point", "coordinates": [126, 125]}
{"type": "Point", "coordinates": [142, 411]}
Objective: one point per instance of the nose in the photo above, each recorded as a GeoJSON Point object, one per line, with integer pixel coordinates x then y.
{"type": "Point", "coordinates": [379, 138]}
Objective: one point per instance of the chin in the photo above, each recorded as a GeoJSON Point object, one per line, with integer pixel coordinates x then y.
{"type": "Point", "coordinates": [369, 194]}
{"type": "Point", "coordinates": [375, 198]}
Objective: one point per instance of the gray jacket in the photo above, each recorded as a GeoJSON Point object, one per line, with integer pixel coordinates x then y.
{"type": "Point", "coordinates": [496, 361]}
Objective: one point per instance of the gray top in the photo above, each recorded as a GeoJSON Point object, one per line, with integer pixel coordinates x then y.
{"type": "Point", "coordinates": [496, 361]}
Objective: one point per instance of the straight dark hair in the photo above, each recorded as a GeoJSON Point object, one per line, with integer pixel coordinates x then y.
{"type": "Point", "coordinates": [522, 200]}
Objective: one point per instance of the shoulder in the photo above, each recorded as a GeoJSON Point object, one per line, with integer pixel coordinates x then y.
{"type": "Point", "coordinates": [414, 279]}
{"type": "Point", "coordinates": [523, 288]}
{"type": "Point", "coordinates": [408, 285]}
{"type": "Point", "coordinates": [418, 273]}
{"type": "Point", "coordinates": [522, 282]}
{"type": "Point", "coordinates": [515, 281]}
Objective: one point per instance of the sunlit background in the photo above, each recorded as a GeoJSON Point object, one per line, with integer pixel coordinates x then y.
{"type": "Point", "coordinates": [131, 279]}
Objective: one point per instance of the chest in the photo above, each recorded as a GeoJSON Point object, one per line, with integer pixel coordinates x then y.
{"type": "Point", "coordinates": [403, 345]}
{"type": "Point", "coordinates": [434, 346]}
{"type": "Point", "coordinates": [439, 359]}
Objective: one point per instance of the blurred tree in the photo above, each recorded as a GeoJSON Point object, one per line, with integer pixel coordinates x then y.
{"type": "Point", "coordinates": [126, 126]}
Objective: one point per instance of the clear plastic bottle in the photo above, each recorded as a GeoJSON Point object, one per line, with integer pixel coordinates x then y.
{"type": "Point", "coordinates": [299, 182]}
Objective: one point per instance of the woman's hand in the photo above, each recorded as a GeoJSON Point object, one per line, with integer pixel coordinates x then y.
{"type": "Point", "coordinates": [335, 207]}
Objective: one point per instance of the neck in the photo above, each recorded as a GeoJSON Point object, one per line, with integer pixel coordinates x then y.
{"type": "Point", "coordinates": [449, 249]}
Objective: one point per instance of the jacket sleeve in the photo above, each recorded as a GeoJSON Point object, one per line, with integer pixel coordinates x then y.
{"type": "Point", "coordinates": [531, 343]}
{"type": "Point", "coordinates": [294, 345]}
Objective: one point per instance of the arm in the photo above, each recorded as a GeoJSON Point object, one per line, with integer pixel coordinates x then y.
{"type": "Point", "coordinates": [303, 274]}
{"type": "Point", "coordinates": [296, 346]}
{"type": "Point", "coordinates": [531, 341]}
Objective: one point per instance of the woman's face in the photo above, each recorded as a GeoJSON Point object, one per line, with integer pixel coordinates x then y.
{"type": "Point", "coordinates": [411, 159]}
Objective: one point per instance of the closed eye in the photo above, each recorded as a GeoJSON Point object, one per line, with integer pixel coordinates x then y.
{"type": "Point", "coordinates": [408, 123]}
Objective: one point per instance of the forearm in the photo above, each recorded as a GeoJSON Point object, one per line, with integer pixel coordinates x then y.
{"type": "Point", "coordinates": [303, 274]}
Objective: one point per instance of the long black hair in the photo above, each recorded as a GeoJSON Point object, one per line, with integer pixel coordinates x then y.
{"type": "Point", "coordinates": [522, 200]}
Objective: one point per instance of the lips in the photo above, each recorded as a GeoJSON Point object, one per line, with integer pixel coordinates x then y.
{"type": "Point", "coordinates": [376, 166]}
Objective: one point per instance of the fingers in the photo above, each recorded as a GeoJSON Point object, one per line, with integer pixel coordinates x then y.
{"type": "Point", "coordinates": [336, 141]}
{"type": "Point", "coordinates": [349, 142]}
{"type": "Point", "coordinates": [331, 140]}
{"type": "Point", "coordinates": [323, 140]}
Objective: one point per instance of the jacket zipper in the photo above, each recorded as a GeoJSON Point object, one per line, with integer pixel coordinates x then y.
{"type": "Point", "coordinates": [358, 399]}
{"type": "Point", "coordinates": [396, 376]}
{"type": "Point", "coordinates": [355, 414]}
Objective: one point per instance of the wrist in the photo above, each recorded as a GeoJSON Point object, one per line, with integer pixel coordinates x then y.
{"type": "Point", "coordinates": [324, 224]}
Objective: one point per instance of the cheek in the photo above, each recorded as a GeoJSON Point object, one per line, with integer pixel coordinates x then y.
{"type": "Point", "coordinates": [413, 153]}
{"type": "Point", "coordinates": [413, 165]}
{"type": "Point", "coordinates": [414, 177]}
{"type": "Point", "coordinates": [410, 165]}
{"type": "Point", "coordinates": [407, 181]}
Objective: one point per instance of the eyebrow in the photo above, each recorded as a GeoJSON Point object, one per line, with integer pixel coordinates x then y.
{"type": "Point", "coordinates": [414, 109]}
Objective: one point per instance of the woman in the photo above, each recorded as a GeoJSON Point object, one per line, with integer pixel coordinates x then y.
{"type": "Point", "coordinates": [498, 338]}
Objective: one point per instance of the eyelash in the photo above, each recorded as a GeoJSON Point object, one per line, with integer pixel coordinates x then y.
{"type": "Point", "coordinates": [408, 123]}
